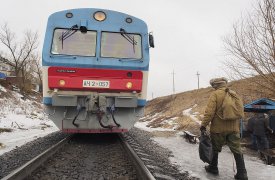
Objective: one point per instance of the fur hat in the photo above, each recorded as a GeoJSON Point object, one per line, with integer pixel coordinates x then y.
{"type": "Point", "coordinates": [218, 82]}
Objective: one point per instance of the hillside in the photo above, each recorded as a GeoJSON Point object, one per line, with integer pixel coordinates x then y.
{"type": "Point", "coordinates": [183, 111]}
{"type": "Point", "coordinates": [21, 118]}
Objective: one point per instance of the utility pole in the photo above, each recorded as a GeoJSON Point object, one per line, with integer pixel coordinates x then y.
{"type": "Point", "coordinates": [198, 79]}
{"type": "Point", "coordinates": [173, 81]}
{"type": "Point", "coordinates": [152, 95]}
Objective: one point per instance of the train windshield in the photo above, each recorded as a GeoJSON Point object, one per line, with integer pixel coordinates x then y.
{"type": "Point", "coordinates": [73, 42]}
{"type": "Point", "coordinates": [118, 45]}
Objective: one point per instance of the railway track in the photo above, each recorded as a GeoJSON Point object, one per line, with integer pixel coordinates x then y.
{"type": "Point", "coordinates": [26, 169]}
{"type": "Point", "coordinates": [83, 157]}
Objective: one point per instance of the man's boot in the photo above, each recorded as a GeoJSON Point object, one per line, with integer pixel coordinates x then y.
{"type": "Point", "coordinates": [213, 166]}
{"type": "Point", "coordinates": [241, 171]}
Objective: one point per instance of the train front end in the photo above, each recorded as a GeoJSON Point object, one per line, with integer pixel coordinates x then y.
{"type": "Point", "coordinates": [95, 70]}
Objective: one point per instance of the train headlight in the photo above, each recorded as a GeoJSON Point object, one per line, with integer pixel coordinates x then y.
{"type": "Point", "coordinates": [62, 82]}
{"type": "Point", "coordinates": [129, 20]}
{"type": "Point", "coordinates": [129, 85]}
{"type": "Point", "coordinates": [99, 16]}
{"type": "Point", "coordinates": [69, 15]}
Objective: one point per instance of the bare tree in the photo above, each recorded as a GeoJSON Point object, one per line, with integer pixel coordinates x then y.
{"type": "Point", "coordinates": [251, 46]}
{"type": "Point", "coordinates": [35, 64]}
{"type": "Point", "coordinates": [18, 52]}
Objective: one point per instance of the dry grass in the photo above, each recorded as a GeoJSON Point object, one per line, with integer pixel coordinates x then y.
{"type": "Point", "coordinates": [5, 130]}
{"type": "Point", "coordinates": [6, 95]}
{"type": "Point", "coordinates": [2, 145]}
{"type": "Point", "coordinates": [186, 123]}
{"type": "Point", "coordinates": [173, 105]}
{"type": "Point", "coordinates": [163, 133]}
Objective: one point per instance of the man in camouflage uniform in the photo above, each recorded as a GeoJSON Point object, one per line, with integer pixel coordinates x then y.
{"type": "Point", "coordinates": [222, 132]}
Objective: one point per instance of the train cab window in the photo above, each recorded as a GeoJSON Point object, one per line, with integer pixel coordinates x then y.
{"type": "Point", "coordinates": [74, 42]}
{"type": "Point", "coordinates": [121, 45]}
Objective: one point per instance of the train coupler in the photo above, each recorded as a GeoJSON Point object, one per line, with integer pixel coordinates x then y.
{"type": "Point", "coordinates": [112, 110]}
{"type": "Point", "coordinates": [99, 116]}
{"type": "Point", "coordinates": [78, 111]}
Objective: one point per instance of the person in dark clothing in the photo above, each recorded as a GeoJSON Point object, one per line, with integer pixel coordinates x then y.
{"type": "Point", "coordinates": [260, 129]}
{"type": "Point", "coordinates": [250, 125]}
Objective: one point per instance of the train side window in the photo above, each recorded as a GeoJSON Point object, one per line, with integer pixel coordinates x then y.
{"type": "Point", "coordinates": [118, 45]}
{"type": "Point", "coordinates": [77, 43]}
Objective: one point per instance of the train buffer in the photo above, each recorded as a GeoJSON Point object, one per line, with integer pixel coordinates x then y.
{"type": "Point", "coordinates": [190, 137]}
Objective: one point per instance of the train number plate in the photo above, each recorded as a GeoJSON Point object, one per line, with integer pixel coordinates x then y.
{"type": "Point", "coordinates": [96, 84]}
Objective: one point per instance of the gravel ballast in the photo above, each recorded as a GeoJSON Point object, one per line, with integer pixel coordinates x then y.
{"type": "Point", "coordinates": [19, 156]}
{"type": "Point", "coordinates": [155, 157]}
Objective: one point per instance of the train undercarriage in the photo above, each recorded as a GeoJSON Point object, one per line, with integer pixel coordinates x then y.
{"type": "Point", "coordinates": [94, 113]}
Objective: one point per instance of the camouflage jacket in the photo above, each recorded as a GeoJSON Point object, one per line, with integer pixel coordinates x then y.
{"type": "Point", "coordinates": [217, 124]}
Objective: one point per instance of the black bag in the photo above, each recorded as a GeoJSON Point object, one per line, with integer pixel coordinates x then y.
{"type": "Point", "coordinates": [205, 148]}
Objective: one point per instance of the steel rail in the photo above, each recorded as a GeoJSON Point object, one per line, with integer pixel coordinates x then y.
{"type": "Point", "coordinates": [142, 171]}
{"type": "Point", "coordinates": [25, 170]}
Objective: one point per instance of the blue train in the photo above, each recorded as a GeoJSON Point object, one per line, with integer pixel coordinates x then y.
{"type": "Point", "coordinates": [95, 70]}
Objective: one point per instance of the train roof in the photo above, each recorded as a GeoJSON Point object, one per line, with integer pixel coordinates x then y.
{"type": "Point", "coordinates": [84, 17]}
{"type": "Point", "coordinates": [80, 13]}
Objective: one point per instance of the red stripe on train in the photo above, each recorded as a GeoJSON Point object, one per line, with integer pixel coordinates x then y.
{"type": "Point", "coordinates": [116, 80]}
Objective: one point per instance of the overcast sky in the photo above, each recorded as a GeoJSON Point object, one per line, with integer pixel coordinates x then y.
{"type": "Point", "coordinates": [188, 33]}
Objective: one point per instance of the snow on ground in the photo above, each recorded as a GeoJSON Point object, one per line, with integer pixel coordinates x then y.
{"type": "Point", "coordinates": [186, 156]}
{"type": "Point", "coordinates": [143, 126]}
{"type": "Point", "coordinates": [167, 123]}
{"type": "Point", "coordinates": [2, 89]}
{"type": "Point", "coordinates": [188, 112]}
{"type": "Point", "coordinates": [23, 130]}
{"type": "Point", "coordinates": [25, 120]}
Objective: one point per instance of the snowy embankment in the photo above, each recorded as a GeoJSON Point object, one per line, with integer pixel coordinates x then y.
{"type": "Point", "coordinates": [144, 125]}
{"type": "Point", "coordinates": [193, 116]}
{"type": "Point", "coordinates": [21, 121]}
{"type": "Point", "coordinates": [186, 156]}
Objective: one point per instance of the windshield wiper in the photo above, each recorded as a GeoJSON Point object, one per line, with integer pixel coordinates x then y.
{"type": "Point", "coordinates": [128, 38]}
{"type": "Point", "coordinates": [68, 33]}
